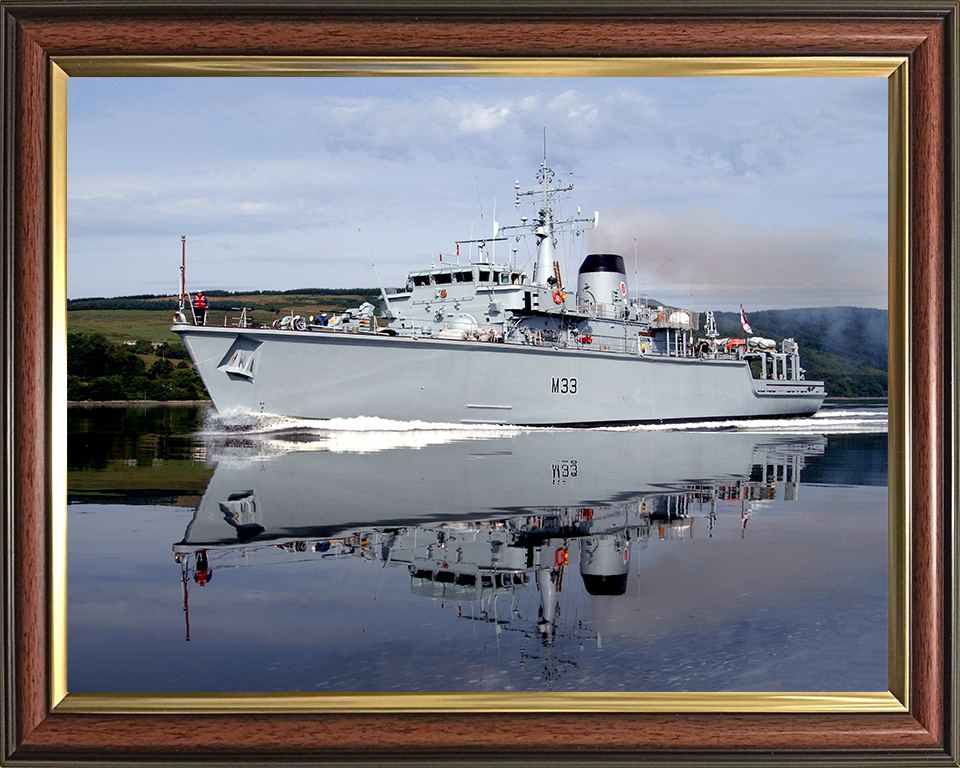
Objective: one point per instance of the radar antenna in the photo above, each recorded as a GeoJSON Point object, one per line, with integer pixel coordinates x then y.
{"type": "Point", "coordinates": [545, 226]}
{"type": "Point", "coordinates": [710, 326]}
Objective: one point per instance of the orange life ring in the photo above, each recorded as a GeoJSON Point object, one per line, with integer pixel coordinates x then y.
{"type": "Point", "coordinates": [587, 339]}
{"type": "Point", "coordinates": [558, 296]}
{"type": "Point", "coordinates": [561, 558]}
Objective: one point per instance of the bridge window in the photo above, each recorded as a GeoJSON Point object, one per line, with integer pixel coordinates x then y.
{"type": "Point", "coordinates": [442, 278]}
{"type": "Point", "coordinates": [464, 277]}
{"type": "Point", "coordinates": [484, 276]}
{"type": "Point", "coordinates": [421, 279]}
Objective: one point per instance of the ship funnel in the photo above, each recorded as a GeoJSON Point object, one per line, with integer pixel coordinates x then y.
{"type": "Point", "coordinates": [602, 280]}
{"type": "Point", "coordinates": [605, 564]}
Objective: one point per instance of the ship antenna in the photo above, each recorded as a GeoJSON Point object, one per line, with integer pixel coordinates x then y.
{"type": "Point", "coordinates": [383, 293]}
{"type": "Point", "coordinates": [483, 227]}
{"type": "Point", "coordinates": [493, 251]}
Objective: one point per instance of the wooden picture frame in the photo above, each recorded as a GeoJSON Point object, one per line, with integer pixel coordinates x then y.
{"type": "Point", "coordinates": [37, 729]}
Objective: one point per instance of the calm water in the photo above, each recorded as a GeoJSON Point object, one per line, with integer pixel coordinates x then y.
{"type": "Point", "coordinates": [375, 556]}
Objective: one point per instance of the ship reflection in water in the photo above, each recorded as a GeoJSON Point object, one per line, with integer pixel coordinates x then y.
{"type": "Point", "coordinates": [522, 536]}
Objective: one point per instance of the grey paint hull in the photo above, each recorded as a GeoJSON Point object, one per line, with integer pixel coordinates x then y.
{"type": "Point", "coordinates": [325, 375]}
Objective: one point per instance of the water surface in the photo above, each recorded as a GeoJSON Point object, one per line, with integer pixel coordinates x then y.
{"type": "Point", "coordinates": [374, 556]}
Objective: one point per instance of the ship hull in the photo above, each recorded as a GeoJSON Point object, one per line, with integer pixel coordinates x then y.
{"type": "Point", "coordinates": [325, 375]}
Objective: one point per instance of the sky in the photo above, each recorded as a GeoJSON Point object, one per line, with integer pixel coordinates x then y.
{"type": "Point", "coordinates": [766, 192]}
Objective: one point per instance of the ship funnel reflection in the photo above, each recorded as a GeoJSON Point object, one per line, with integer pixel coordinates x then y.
{"type": "Point", "coordinates": [497, 532]}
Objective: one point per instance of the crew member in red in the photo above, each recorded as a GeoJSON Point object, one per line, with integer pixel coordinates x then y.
{"type": "Point", "coordinates": [203, 572]}
{"type": "Point", "coordinates": [200, 305]}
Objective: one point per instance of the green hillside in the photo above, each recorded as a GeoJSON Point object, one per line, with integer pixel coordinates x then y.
{"type": "Point", "coordinates": [98, 369]}
{"type": "Point", "coordinates": [845, 347]}
{"type": "Point", "coordinates": [119, 325]}
{"type": "Point", "coordinates": [148, 317]}
{"type": "Point", "coordinates": [122, 348]}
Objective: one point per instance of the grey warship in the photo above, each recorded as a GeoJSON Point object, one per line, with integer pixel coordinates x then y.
{"type": "Point", "coordinates": [483, 342]}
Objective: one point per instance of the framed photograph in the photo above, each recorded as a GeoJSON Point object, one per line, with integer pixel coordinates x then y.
{"type": "Point", "coordinates": [46, 719]}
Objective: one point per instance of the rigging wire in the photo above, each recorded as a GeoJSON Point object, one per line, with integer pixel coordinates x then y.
{"type": "Point", "coordinates": [376, 274]}
{"type": "Point", "coordinates": [483, 226]}
{"type": "Point", "coordinates": [370, 611]}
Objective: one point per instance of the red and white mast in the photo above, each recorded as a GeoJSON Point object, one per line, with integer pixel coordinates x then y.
{"type": "Point", "coordinates": [183, 272]}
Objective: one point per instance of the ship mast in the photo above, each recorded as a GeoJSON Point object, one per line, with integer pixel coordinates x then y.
{"type": "Point", "coordinates": [546, 227]}
{"type": "Point", "coordinates": [183, 273]}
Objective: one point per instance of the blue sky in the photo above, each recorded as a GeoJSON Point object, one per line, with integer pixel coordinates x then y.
{"type": "Point", "coordinates": [771, 192]}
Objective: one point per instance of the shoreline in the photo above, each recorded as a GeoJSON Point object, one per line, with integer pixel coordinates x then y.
{"type": "Point", "coordinates": [135, 403]}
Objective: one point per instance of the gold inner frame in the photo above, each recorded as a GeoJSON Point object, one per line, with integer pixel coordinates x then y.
{"type": "Point", "coordinates": [895, 69]}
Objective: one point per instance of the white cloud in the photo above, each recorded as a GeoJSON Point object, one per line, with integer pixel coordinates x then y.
{"type": "Point", "coordinates": [483, 119]}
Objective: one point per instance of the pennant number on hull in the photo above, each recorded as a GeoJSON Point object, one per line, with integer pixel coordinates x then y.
{"type": "Point", "coordinates": [564, 386]}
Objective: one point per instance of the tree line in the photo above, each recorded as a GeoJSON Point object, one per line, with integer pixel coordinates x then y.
{"type": "Point", "coordinates": [167, 303]}
{"type": "Point", "coordinates": [844, 347]}
{"type": "Point", "coordinates": [100, 370]}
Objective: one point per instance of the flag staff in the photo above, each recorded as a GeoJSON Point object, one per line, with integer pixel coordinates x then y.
{"type": "Point", "coordinates": [744, 325]}
{"type": "Point", "coordinates": [183, 271]}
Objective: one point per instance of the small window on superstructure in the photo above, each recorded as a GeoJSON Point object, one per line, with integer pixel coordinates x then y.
{"type": "Point", "coordinates": [505, 278]}
{"type": "Point", "coordinates": [516, 278]}
{"type": "Point", "coordinates": [484, 276]}
{"type": "Point", "coordinates": [421, 279]}
{"type": "Point", "coordinates": [465, 277]}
